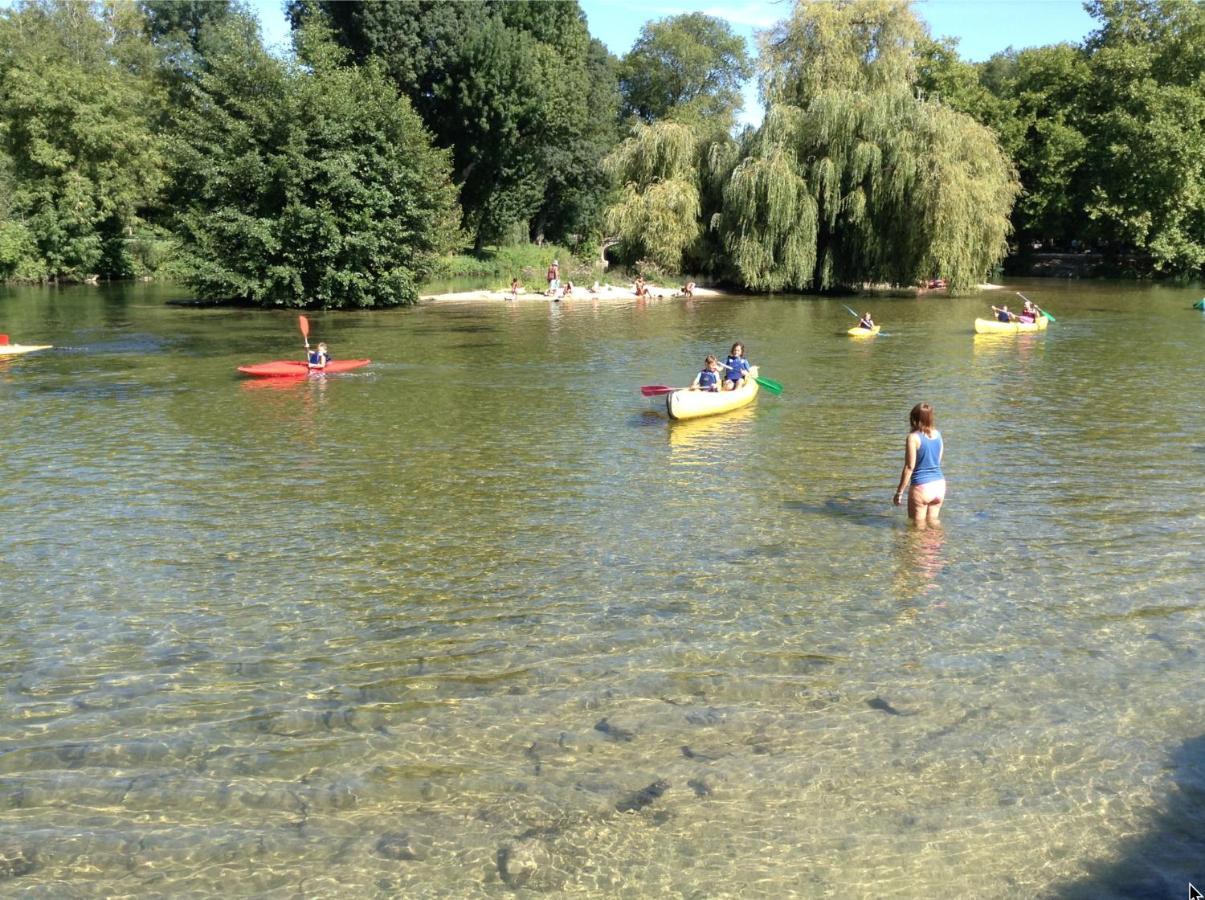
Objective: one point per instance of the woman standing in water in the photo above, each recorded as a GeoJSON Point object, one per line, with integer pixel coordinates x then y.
{"type": "Point", "coordinates": [922, 476]}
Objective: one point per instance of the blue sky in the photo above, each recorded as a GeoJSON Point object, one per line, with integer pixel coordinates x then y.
{"type": "Point", "coordinates": [983, 27]}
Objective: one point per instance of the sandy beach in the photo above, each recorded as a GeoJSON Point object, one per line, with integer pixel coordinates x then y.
{"type": "Point", "coordinates": [604, 292]}
{"type": "Point", "coordinates": [624, 292]}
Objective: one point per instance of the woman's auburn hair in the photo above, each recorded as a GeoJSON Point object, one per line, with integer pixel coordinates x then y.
{"type": "Point", "coordinates": [921, 417]}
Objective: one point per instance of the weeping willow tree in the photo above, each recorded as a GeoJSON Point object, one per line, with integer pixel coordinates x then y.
{"type": "Point", "coordinates": [852, 178]}
{"type": "Point", "coordinates": [657, 214]}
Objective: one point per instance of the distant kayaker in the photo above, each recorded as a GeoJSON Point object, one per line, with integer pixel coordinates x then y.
{"type": "Point", "coordinates": [866, 322]}
{"type": "Point", "coordinates": [1003, 315]}
{"type": "Point", "coordinates": [736, 366]}
{"type": "Point", "coordinates": [922, 476]}
{"type": "Point", "coordinates": [318, 357]}
{"type": "Point", "coordinates": [709, 378]}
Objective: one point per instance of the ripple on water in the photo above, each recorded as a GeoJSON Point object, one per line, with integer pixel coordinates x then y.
{"type": "Point", "coordinates": [506, 628]}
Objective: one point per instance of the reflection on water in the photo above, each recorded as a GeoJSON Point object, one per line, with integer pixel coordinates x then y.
{"type": "Point", "coordinates": [482, 621]}
{"type": "Point", "coordinates": [919, 560]}
{"type": "Point", "coordinates": [712, 434]}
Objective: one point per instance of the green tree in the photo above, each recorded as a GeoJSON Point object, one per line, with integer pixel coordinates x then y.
{"type": "Point", "coordinates": [1145, 116]}
{"type": "Point", "coordinates": [657, 214]}
{"type": "Point", "coordinates": [578, 185]}
{"type": "Point", "coordinates": [942, 75]}
{"type": "Point", "coordinates": [506, 86]}
{"type": "Point", "coordinates": [76, 125]}
{"type": "Point", "coordinates": [852, 178]}
{"type": "Point", "coordinates": [690, 67]}
{"type": "Point", "coordinates": [1045, 90]}
{"type": "Point", "coordinates": [312, 184]}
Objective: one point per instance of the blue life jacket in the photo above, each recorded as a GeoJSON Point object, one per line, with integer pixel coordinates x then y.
{"type": "Point", "coordinates": [708, 380]}
{"type": "Point", "coordinates": [738, 368]}
{"type": "Point", "coordinates": [1002, 316]}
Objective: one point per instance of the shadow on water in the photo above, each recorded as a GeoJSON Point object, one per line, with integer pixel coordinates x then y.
{"type": "Point", "coordinates": [648, 418]}
{"type": "Point", "coordinates": [1162, 861]}
{"type": "Point", "coordinates": [861, 511]}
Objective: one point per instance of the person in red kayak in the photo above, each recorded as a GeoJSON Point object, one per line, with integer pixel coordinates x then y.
{"type": "Point", "coordinates": [318, 358]}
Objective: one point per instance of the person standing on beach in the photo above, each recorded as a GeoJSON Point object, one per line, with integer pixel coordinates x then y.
{"type": "Point", "coordinates": [922, 476]}
{"type": "Point", "coordinates": [554, 277]}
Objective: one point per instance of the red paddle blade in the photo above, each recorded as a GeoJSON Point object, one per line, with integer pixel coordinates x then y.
{"type": "Point", "coordinates": [652, 390]}
{"type": "Point", "coordinates": [305, 326]}
{"type": "Point", "coordinates": [3, 339]}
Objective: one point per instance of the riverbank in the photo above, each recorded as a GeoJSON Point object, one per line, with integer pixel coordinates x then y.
{"type": "Point", "coordinates": [604, 292]}
{"type": "Point", "coordinates": [625, 292]}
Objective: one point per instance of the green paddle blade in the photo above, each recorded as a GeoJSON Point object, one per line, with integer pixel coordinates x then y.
{"type": "Point", "coordinates": [772, 386]}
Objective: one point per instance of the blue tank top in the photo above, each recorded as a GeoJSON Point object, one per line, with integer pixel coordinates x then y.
{"type": "Point", "coordinates": [928, 460]}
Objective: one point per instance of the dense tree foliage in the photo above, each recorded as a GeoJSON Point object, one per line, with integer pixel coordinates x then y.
{"type": "Point", "coordinates": [516, 90]}
{"type": "Point", "coordinates": [688, 67]}
{"type": "Point", "coordinates": [1146, 128]}
{"type": "Point", "coordinates": [851, 178]}
{"type": "Point", "coordinates": [657, 214]}
{"type": "Point", "coordinates": [311, 185]}
{"type": "Point", "coordinates": [82, 159]}
{"type": "Point", "coordinates": [1108, 137]}
{"type": "Point", "coordinates": [160, 135]}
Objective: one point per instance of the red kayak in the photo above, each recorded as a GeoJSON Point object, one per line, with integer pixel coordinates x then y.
{"type": "Point", "coordinates": [289, 368]}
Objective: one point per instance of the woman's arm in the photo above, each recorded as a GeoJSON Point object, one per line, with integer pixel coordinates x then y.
{"type": "Point", "coordinates": [910, 444]}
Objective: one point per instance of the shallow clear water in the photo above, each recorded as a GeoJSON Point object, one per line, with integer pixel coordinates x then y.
{"type": "Point", "coordinates": [478, 618]}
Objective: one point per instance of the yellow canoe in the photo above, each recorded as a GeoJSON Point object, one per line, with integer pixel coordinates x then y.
{"type": "Point", "coordinates": [686, 404]}
{"type": "Point", "coordinates": [14, 349]}
{"type": "Point", "coordinates": [991, 326]}
{"type": "Point", "coordinates": [859, 331]}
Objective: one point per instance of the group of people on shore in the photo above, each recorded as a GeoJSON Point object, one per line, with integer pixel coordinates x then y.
{"type": "Point", "coordinates": [735, 368]}
{"type": "Point", "coordinates": [640, 288]}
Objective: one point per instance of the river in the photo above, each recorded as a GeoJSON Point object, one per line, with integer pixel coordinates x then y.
{"type": "Point", "coordinates": [477, 618]}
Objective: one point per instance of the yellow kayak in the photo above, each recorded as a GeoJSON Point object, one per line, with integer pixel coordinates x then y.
{"type": "Point", "coordinates": [687, 404]}
{"type": "Point", "coordinates": [859, 331]}
{"type": "Point", "coordinates": [14, 349]}
{"type": "Point", "coordinates": [992, 326]}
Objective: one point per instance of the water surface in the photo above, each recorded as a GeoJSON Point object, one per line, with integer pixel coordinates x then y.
{"type": "Point", "coordinates": [477, 618]}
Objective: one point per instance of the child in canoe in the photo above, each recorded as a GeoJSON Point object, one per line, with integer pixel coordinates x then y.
{"type": "Point", "coordinates": [317, 358]}
{"type": "Point", "coordinates": [866, 322]}
{"type": "Point", "coordinates": [737, 367]}
{"type": "Point", "coordinates": [709, 378]}
{"type": "Point", "coordinates": [1003, 315]}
